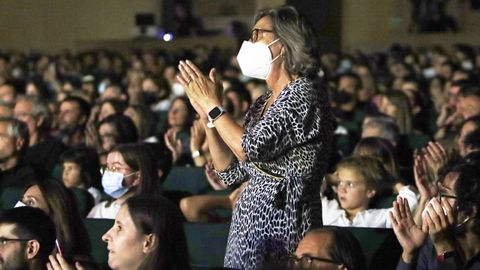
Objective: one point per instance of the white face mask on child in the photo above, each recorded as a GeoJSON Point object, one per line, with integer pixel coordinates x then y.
{"type": "Point", "coordinates": [255, 59]}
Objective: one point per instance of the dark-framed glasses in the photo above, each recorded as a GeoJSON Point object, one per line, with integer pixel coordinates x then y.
{"type": "Point", "coordinates": [307, 261]}
{"type": "Point", "coordinates": [4, 240]}
{"type": "Point", "coordinates": [257, 31]}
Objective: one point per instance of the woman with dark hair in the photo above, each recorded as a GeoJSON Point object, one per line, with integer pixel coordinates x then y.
{"type": "Point", "coordinates": [81, 169]}
{"type": "Point", "coordinates": [59, 203]}
{"type": "Point", "coordinates": [177, 138]}
{"type": "Point", "coordinates": [131, 170]}
{"type": "Point", "coordinates": [111, 106]}
{"type": "Point", "coordinates": [113, 130]}
{"type": "Point", "coordinates": [283, 148]}
{"type": "Point", "coordinates": [395, 104]}
{"type": "Point", "coordinates": [147, 235]}
{"type": "Point", "coordinates": [158, 226]}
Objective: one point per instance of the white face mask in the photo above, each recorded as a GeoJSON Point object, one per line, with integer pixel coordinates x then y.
{"type": "Point", "coordinates": [255, 59]}
{"type": "Point", "coordinates": [112, 183]}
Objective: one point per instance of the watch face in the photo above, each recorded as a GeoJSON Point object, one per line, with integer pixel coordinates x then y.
{"type": "Point", "coordinates": [214, 113]}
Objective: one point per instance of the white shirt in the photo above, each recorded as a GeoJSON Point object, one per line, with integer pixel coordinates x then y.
{"type": "Point", "coordinates": [334, 215]}
{"type": "Point", "coordinates": [102, 211]}
{"type": "Point", "coordinates": [96, 194]}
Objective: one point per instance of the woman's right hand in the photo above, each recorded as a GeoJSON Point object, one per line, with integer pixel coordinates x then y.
{"type": "Point", "coordinates": [57, 262]}
{"type": "Point", "coordinates": [197, 136]}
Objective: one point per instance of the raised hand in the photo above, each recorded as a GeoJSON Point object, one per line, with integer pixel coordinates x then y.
{"type": "Point", "coordinates": [204, 92]}
{"type": "Point", "coordinates": [173, 144]}
{"type": "Point", "coordinates": [436, 156]}
{"type": "Point", "coordinates": [197, 136]}
{"type": "Point", "coordinates": [57, 262]}
{"type": "Point", "coordinates": [438, 221]}
{"type": "Point", "coordinates": [426, 186]}
{"type": "Point", "coordinates": [410, 237]}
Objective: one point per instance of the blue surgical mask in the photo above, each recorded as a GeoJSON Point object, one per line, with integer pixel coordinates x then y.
{"type": "Point", "coordinates": [112, 183]}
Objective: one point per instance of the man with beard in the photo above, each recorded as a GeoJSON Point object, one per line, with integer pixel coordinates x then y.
{"type": "Point", "coordinates": [13, 142]}
{"type": "Point", "coordinates": [72, 118]}
{"type": "Point", "coordinates": [27, 238]}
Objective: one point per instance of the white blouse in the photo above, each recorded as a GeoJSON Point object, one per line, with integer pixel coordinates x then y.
{"type": "Point", "coordinates": [334, 215]}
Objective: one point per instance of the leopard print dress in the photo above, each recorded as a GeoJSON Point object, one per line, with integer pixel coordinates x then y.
{"type": "Point", "coordinates": [287, 152]}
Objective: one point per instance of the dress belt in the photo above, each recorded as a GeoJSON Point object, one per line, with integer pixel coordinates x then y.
{"type": "Point", "coordinates": [265, 172]}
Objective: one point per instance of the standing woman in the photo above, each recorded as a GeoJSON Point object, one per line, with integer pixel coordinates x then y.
{"type": "Point", "coordinates": [283, 148]}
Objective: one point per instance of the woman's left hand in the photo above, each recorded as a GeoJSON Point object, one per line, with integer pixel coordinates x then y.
{"type": "Point", "coordinates": [57, 262]}
{"type": "Point", "coordinates": [204, 92]}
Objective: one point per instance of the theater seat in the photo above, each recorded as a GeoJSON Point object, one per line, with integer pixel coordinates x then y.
{"type": "Point", "coordinates": [96, 228]}
{"type": "Point", "coordinates": [191, 180]}
{"type": "Point", "coordinates": [380, 247]}
{"type": "Point", "coordinates": [10, 196]}
{"type": "Point", "coordinates": [206, 244]}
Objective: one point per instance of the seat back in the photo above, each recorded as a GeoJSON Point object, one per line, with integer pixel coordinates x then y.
{"type": "Point", "coordinates": [187, 179]}
{"type": "Point", "coordinates": [380, 247]}
{"type": "Point", "coordinates": [206, 244]}
{"type": "Point", "coordinates": [10, 196]}
{"type": "Point", "coordinates": [96, 228]}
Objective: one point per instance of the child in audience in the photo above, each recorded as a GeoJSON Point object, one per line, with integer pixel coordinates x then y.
{"type": "Point", "coordinates": [360, 182]}
{"type": "Point", "coordinates": [81, 169]}
{"type": "Point", "coordinates": [131, 170]}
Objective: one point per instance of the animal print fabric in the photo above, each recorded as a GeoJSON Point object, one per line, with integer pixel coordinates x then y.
{"type": "Point", "coordinates": [292, 140]}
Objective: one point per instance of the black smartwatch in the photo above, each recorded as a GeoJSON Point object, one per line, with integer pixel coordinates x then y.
{"type": "Point", "coordinates": [214, 114]}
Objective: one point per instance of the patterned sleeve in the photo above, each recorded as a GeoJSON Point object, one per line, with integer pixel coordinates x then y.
{"type": "Point", "coordinates": [293, 121]}
{"type": "Point", "coordinates": [233, 174]}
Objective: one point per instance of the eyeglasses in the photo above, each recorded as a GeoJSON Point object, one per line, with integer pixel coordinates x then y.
{"type": "Point", "coordinates": [256, 31]}
{"type": "Point", "coordinates": [442, 194]}
{"type": "Point", "coordinates": [4, 241]}
{"type": "Point", "coordinates": [307, 261]}
{"type": "Point", "coordinates": [348, 184]}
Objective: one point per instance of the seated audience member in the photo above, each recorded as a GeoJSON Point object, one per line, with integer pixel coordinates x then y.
{"type": "Point", "coordinates": [469, 102]}
{"type": "Point", "coordinates": [329, 248]}
{"type": "Point", "coordinates": [59, 203]}
{"type": "Point", "coordinates": [177, 138]}
{"type": "Point", "coordinates": [131, 170]}
{"type": "Point", "coordinates": [154, 229]}
{"type": "Point", "coordinates": [381, 149]}
{"type": "Point", "coordinates": [144, 122]}
{"type": "Point", "coordinates": [81, 169]}
{"type": "Point", "coordinates": [14, 134]}
{"type": "Point", "coordinates": [109, 107]}
{"type": "Point", "coordinates": [468, 126]}
{"type": "Point", "coordinates": [472, 143]}
{"type": "Point", "coordinates": [113, 91]}
{"type": "Point", "coordinates": [27, 238]}
{"type": "Point", "coordinates": [113, 130]}
{"type": "Point", "coordinates": [360, 182]}
{"type": "Point", "coordinates": [7, 93]}
{"type": "Point", "coordinates": [72, 119]}
{"type": "Point", "coordinates": [395, 104]}
{"type": "Point", "coordinates": [43, 151]}
{"type": "Point", "coordinates": [6, 110]}
{"type": "Point", "coordinates": [239, 100]}
{"type": "Point", "coordinates": [381, 127]}
{"type": "Point", "coordinates": [451, 222]}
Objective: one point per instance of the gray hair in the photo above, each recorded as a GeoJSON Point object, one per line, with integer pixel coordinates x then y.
{"type": "Point", "coordinates": [385, 127]}
{"type": "Point", "coordinates": [39, 108]}
{"type": "Point", "coordinates": [298, 38]}
{"type": "Point", "coordinates": [17, 130]}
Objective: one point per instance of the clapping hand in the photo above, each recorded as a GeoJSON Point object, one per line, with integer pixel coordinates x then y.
{"type": "Point", "coordinates": [437, 221]}
{"type": "Point", "coordinates": [173, 144]}
{"type": "Point", "coordinates": [410, 237]}
{"type": "Point", "coordinates": [204, 92]}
